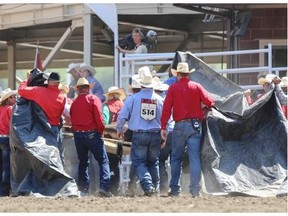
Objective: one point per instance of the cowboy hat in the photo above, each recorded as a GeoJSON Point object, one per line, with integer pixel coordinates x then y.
{"type": "Point", "coordinates": [83, 81]}
{"type": "Point", "coordinates": [145, 78]}
{"type": "Point", "coordinates": [182, 67]}
{"type": "Point", "coordinates": [72, 66]}
{"type": "Point", "coordinates": [115, 90]}
{"type": "Point", "coordinates": [159, 85]}
{"type": "Point", "coordinates": [262, 81]}
{"type": "Point", "coordinates": [284, 82]}
{"type": "Point", "coordinates": [65, 88]}
{"type": "Point", "coordinates": [84, 66]}
{"type": "Point", "coordinates": [134, 84]}
{"type": "Point", "coordinates": [270, 77]}
{"type": "Point", "coordinates": [53, 76]}
{"type": "Point", "coordinates": [6, 94]}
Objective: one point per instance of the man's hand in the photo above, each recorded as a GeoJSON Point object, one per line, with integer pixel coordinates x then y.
{"type": "Point", "coordinates": [276, 80]}
{"type": "Point", "coordinates": [120, 135]}
{"type": "Point", "coordinates": [164, 134]}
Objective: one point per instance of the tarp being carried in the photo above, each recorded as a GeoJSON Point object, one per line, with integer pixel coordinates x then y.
{"type": "Point", "coordinates": [36, 167]}
{"type": "Point", "coordinates": [244, 149]}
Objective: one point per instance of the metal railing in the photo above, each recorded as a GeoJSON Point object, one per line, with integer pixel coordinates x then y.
{"type": "Point", "coordinates": [129, 62]}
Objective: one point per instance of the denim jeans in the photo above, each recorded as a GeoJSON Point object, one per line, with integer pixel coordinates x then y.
{"type": "Point", "coordinates": [5, 153]}
{"type": "Point", "coordinates": [164, 155]}
{"type": "Point", "coordinates": [91, 141]}
{"type": "Point", "coordinates": [145, 152]}
{"type": "Point", "coordinates": [184, 134]}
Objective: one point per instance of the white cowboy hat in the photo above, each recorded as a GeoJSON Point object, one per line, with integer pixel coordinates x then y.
{"type": "Point", "coordinates": [270, 77]}
{"type": "Point", "coordinates": [284, 82]}
{"type": "Point", "coordinates": [84, 66]}
{"type": "Point", "coordinates": [83, 81]}
{"type": "Point", "coordinates": [134, 84]}
{"type": "Point", "coordinates": [182, 67]}
{"type": "Point", "coordinates": [6, 93]}
{"type": "Point", "coordinates": [145, 78]}
{"type": "Point", "coordinates": [65, 88]}
{"type": "Point", "coordinates": [159, 85]}
{"type": "Point", "coordinates": [72, 66]}
{"type": "Point", "coordinates": [115, 90]}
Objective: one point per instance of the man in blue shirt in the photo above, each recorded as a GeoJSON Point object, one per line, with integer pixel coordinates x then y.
{"type": "Point", "coordinates": [143, 111]}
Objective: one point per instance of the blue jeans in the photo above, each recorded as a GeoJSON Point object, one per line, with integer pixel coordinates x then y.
{"type": "Point", "coordinates": [184, 134]}
{"type": "Point", "coordinates": [5, 153]}
{"type": "Point", "coordinates": [164, 155]}
{"type": "Point", "coordinates": [145, 152]}
{"type": "Point", "coordinates": [91, 141]}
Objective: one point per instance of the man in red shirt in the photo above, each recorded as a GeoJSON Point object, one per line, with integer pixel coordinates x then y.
{"type": "Point", "coordinates": [7, 100]}
{"type": "Point", "coordinates": [184, 100]}
{"type": "Point", "coordinates": [49, 98]}
{"type": "Point", "coordinates": [88, 127]}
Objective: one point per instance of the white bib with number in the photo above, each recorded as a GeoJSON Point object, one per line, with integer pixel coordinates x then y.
{"type": "Point", "coordinates": [148, 109]}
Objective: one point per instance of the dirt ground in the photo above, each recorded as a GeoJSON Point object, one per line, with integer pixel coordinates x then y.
{"type": "Point", "coordinates": [140, 204]}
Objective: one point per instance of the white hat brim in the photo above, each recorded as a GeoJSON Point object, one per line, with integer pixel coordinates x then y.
{"type": "Point", "coordinates": [89, 68]}
{"type": "Point", "coordinates": [7, 95]}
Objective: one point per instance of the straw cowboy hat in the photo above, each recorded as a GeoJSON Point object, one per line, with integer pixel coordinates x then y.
{"type": "Point", "coordinates": [72, 66]}
{"type": "Point", "coordinates": [115, 90]}
{"type": "Point", "coordinates": [134, 84]}
{"type": "Point", "coordinates": [145, 78]}
{"type": "Point", "coordinates": [284, 82]}
{"type": "Point", "coordinates": [262, 81]}
{"type": "Point", "coordinates": [64, 88]}
{"type": "Point", "coordinates": [83, 81]}
{"type": "Point", "coordinates": [6, 94]}
{"type": "Point", "coordinates": [159, 85]}
{"type": "Point", "coordinates": [84, 66]}
{"type": "Point", "coordinates": [267, 79]}
{"type": "Point", "coordinates": [182, 67]}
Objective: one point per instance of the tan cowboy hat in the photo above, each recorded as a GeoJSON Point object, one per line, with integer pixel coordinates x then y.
{"type": "Point", "coordinates": [145, 78]}
{"type": "Point", "coordinates": [65, 88]}
{"type": "Point", "coordinates": [83, 81]}
{"type": "Point", "coordinates": [262, 81]}
{"type": "Point", "coordinates": [116, 90]}
{"type": "Point", "coordinates": [159, 85]}
{"type": "Point", "coordinates": [84, 66]}
{"type": "Point", "coordinates": [182, 67]}
{"type": "Point", "coordinates": [6, 94]}
{"type": "Point", "coordinates": [72, 66]}
{"type": "Point", "coordinates": [284, 82]}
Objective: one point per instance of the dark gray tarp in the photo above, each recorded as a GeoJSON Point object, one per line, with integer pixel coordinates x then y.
{"type": "Point", "coordinates": [36, 167]}
{"type": "Point", "coordinates": [244, 149]}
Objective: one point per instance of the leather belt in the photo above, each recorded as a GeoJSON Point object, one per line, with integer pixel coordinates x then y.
{"type": "Point", "coordinates": [85, 131]}
{"type": "Point", "coordinates": [188, 120]}
{"type": "Point", "coordinates": [146, 131]}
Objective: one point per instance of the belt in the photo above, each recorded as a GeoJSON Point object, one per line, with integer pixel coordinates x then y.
{"type": "Point", "coordinates": [146, 131]}
{"type": "Point", "coordinates": [85, 131]}
{"type": "Point", "coordinates": [188, 120]}
{"type": "Point", "coordinates": [4, 135]}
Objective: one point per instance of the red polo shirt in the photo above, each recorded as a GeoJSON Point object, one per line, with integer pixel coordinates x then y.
{"type": "Point", "coordinates": [184, 98]}
{"type": "Point", "coordinates": [86, 113]}
{"type": "Point", "coordinates": [50, 99]}
{"type": "Point", "coordinates": [5, 116]}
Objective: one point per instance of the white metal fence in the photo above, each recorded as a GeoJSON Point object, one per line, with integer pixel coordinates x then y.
{"type": "Point", "coordinates": [129, 62]}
